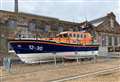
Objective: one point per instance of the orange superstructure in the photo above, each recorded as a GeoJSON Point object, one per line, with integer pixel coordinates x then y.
{"type": "Point", "coordinates": [83, 38]}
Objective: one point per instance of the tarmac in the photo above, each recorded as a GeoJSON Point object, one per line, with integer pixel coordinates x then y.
{"type": "Point", "coordinates": [109, 77]}
{"type": "Point", "coordinates": [51, 72]}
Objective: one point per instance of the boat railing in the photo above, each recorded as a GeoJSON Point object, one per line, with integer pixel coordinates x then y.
{"type": "Point", "coordinates": [25, 38]}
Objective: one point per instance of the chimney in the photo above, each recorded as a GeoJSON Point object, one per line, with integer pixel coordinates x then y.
{"type": "Point", "coordinates": [16, 6]}
{"type": "Point", "coordinates": [111, 15]}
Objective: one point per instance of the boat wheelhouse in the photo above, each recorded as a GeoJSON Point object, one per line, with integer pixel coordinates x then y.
{"type": "Point", "coordinates": [83, 38]}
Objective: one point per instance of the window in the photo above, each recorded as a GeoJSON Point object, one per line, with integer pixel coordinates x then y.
{"type": "Point", "coordinates": [84, 35]}
{"type": "Point", "coordinates": [78, 36]}
{"type": "Point", "coordinates": [112, 23]}
{"type": "Point", "coordinates": [110, 40]}
{"type": "Point", "coordinates": [115, 41]}
{"type": "Point", "coordinates": [60, 36]}
{"type": "Point", "coordinates": [70, 35]}
{"type": "Point", "coordinates": [12, 23]}
{"type": "Point", "coordinates": [32, 26]}
{"type": "Point", "coordinates": [65, 35]}
{"type": "Point", "coordinates": [74, 35]}
{"type": "Point", "coordinates": [119, 39]}
{"type": "Point", "coordinates": [81, 35]}
{"type": "Point", "coordinates": [47, 28]}
{"type": "Point", "coordinates": [103, 40]}
{"type": "Point", "coordinates": [60, 29]}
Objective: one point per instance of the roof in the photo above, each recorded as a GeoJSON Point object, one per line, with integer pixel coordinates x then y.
{"type": "Point", "coordinates": [98, 21]}
{"type": "Point", "coordinates": [28, 14]}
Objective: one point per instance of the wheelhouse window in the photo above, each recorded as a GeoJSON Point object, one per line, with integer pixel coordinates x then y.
{"type": "Point", "coordinates": [81, 35]}
{"type": "Point", "coordinates": [78, 36]}
{"type": "Point", "coordinates": [74, 35]}
{"type": "Point", "coordinates": [84, 35]}
{"type": "Point", "coordinates": [65, 35]}
{"type": "Point", "coordinates": [60, 36]}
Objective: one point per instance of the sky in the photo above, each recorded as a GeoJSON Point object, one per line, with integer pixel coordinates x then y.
{"type": "Point", "coordinates": [69, 10]}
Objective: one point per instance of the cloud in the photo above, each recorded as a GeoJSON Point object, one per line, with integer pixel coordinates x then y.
{"type": "Point", "coordinates": [70, 10]}
{"type": "Point", "coordinates": [7, 5]}
{"type": "Point", "coordinates": [77, 10]}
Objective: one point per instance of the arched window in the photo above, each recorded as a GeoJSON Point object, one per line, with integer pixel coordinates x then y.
{"type": "Point", "coordinates": [115, 41]}
{"type": "Point", "coordinates": [110, 40]}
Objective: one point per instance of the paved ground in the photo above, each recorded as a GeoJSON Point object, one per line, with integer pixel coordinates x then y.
{"type": "Point", "coordinates": [46, 73]}
{"type": "Point", "coordinates": [109, 77]}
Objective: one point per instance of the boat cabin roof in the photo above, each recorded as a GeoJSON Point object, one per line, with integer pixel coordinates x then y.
{"type": "Point", "coordinates": [73, 34]}
{"type": "Point", "coordinates": [69, 32]}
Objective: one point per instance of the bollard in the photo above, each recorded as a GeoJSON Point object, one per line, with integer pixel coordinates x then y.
{"type": "Point", "coordinates": [7, 64]}
{"type": "Point", "coordinates": [4, 63]}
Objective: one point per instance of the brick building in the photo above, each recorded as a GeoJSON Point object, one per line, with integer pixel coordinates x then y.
{"type": "Point", "coordinates": [105, 30]}
{"type": "Point", "coordinates": [24, 23]}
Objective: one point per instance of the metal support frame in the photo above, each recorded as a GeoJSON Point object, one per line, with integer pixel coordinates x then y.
{"type": "Point", "coordinates": [62, 60]}
{"type": "Point", "coordinates": [95, 59]}
{"type": "Point", "coordinates": [77, 59]}
{"type": "Point", "coordinates": [55, 60]}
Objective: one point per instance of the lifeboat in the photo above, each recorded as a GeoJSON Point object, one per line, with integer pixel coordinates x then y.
{"type": "Point", "coordinates": [65, 44]}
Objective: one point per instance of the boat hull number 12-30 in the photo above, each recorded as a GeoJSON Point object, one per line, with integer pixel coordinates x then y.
{"type": "Point", "coordinates": [32, 47]}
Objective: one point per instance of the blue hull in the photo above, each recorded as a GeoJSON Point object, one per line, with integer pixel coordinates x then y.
{"type": "Point", "coordinates": [39, 46]}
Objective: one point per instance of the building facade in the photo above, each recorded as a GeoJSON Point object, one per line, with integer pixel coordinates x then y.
{"type": "Point", "coordinates": [24, 23]}
{"type": "Point", "coordinates": [106, 32]}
